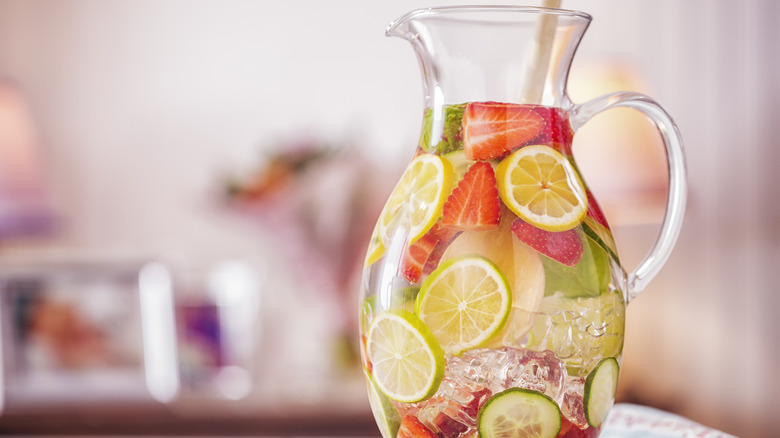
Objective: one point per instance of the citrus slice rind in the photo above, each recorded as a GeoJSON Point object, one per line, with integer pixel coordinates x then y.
{"type": "Point", "coordinates": [407, 362]}
{"type": "Point", "coordinates": [375, 249]}
{"type": "Point", "coordinates": [540, 185]}
{"type": "Point", "coordinates": [465, 302]}
{"type": "Point", "coordinates": [387, 418]}
{"type": "Point", "coordinates": [416, 201]}
{"type": "Point", "coordinates": [460, 164]}
{"type": "Point", "coordinates": [519, 412]}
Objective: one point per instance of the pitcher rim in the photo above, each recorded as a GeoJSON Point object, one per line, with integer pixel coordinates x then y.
{"type": "Point", "coordinates": [479, 8]}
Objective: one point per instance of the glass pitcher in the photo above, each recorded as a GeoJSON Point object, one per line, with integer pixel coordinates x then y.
{"type": "Point", "coordinates": [493, 300]}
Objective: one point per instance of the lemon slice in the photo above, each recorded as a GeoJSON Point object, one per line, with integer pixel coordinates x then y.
{"type": "Point", "coordinates": [465, 302]}
{"type": "Point", "coordinates": [416, 202]}
{"type": "Point", "coordinates": [375, 249]}
{"type": "Point", "coordinates": [538, 184]}
{"type": "Point", "coordinates": [407, 362]}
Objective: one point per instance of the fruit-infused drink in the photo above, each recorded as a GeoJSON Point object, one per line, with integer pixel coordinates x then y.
{"type": "Point", "coordinates": [493, 301]}
{"type": "Point", "coordinates": [503, 283]}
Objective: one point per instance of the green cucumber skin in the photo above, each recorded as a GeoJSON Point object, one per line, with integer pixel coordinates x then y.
{"type": "Point", "coordinates": [615, 367]}
{"type": "Point", "coordinates": [512, 392]}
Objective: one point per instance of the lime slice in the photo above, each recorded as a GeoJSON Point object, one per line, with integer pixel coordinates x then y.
{"type": "Point", "coordinates": [539, 185]}
{"type": "Point", "coordinates": [407, 362]}
{"type": "Point", "coordinates": [600, 388]}
{"type": "Point", "coordinates": [416, 202]}
{"type": "Point", "coordinates": [520, 264]}
{"type": "Point", "coordinates": [465, 302]}
{"type": "Point", "coordinates": [385, 414]}
{"type": "Point", "coordinates": [580, 331]}
{"type": "Point", "coordinates": [518, 412]}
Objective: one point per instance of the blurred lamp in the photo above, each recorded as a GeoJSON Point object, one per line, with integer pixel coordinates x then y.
{"type": "Point", "coordinates": [619, 151]}
{"type": "Point", "coordinates": [24, 207]}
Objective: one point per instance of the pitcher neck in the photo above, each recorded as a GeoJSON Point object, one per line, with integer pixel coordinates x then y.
{"type": "Point", "coordinates": [493, 53]}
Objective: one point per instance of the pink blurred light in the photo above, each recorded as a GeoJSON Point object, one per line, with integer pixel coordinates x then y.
{"type": "Point", "coordinates": [24, 206]}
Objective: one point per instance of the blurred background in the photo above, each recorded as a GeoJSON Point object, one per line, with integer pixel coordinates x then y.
{"type": "Point", "coordinates": [225, 160]}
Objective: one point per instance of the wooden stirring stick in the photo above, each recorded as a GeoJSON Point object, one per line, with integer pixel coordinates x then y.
{"type": "Point", "coordinates": [536, 70]}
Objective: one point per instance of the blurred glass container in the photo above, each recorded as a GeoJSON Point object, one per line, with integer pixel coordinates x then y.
{"type": "Point", "coordinates": [216, 314]}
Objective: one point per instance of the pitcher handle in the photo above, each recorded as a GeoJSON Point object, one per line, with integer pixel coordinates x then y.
{"type": "Point", "coordinates": [675, 158]}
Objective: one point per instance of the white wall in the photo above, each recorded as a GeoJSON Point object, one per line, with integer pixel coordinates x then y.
{"type": "Point", "coordinates": [145, 105]}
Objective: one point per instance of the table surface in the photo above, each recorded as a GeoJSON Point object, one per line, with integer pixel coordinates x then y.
{"type": "Point", "coordinates": [624, 421]}
{"type": "Point", "coordinates": [634, 421]}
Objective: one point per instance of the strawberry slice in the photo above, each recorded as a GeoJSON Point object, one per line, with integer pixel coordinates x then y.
{"type": "Point", "coordinates": [594, 211]}
{"type": "Point", "coordinates": [474, 204]}
{"type": "Point", "coordinates": [570, 430]}
{"type": "Point", "coordinates": [446, 236]}
{"type": "Point", "coordinates": [564, 246]}
{"type": "Point", "coordinates": [491, 129]}
{"type": "Point", "coordinates": [411, 427]}
{"type": "Point", "coordinates": [423, 255]}
{"type": "Point", "coordinates": [557, 132]}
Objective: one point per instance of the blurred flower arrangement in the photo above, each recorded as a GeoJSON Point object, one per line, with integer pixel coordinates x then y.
{"type": "Point", "coordinates": [318, 204]}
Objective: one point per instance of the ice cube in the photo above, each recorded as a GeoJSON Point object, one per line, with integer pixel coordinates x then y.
{"type": "Point", "coordinates": [572, 407]}
{"type": "Point", "coordinates": [453, 410]}
{"type": "Point", "coordinates": [478, 365]}
{"type": "Point", "coordinates": [536, 370]}
{"type": "Point", "coordinates": [440, 416]}
{"type": "Point", "coordinates": [581, 331]}
{"type": "Point", "coordinates": [470, 379]}
{"type": "Point", "coordinates": [510, 367]}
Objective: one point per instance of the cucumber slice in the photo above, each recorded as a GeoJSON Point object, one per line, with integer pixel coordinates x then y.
{"type": "Point", "coordinates": [600, 388]}
{"type": "Point", "coordinates": [519, 412]}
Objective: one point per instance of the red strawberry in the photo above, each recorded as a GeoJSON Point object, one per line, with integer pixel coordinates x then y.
{"type": "Point", "coordinates": [570, 430]}
{"type": "Point", "coordinates": [492, 129]}
{"type": "Point", "coordinates": [564, 246]}
{"type": "Point", "coordinates": [446, 236]}
{"type": "Point", "coordinates": [411, 427]}
{"type": "Point", "coordinates": [557, 133]}
{"type": "Point", "coordinates": [474, 204]}
{"type": "Point", "coordinates": [594, 211]}
{"type": "Point", "coordinates": [426, 251]}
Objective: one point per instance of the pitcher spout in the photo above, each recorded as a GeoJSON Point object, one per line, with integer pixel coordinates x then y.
{"type": "Point", "coordinates": [400, 26]}
{"type": "Point", "coordinates": [492, 52]}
